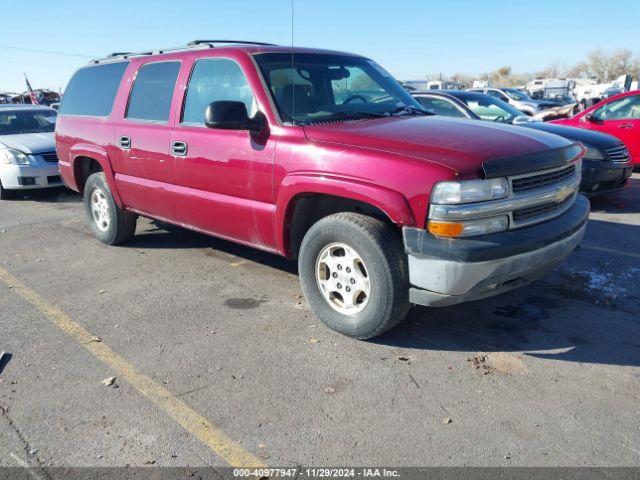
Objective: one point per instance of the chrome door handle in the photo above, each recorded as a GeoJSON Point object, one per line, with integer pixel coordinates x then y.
{"type": "Point", "coordinates": [179, 148]}
{"type": "Point", "coordinates": [125, 142]}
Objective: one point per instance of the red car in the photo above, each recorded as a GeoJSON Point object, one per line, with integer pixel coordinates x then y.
{"type": "Point", "coordinates": [618, 116]}
{"type": "Point", "coordinates": [320, 156]}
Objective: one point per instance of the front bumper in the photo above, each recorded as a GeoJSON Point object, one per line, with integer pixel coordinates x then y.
{"type": "Point", "coordinates": [27, 177]}
{"type": "Point", "coordinates": [601, 177]}
{"type": "Point", "coordinates": [450, 271]}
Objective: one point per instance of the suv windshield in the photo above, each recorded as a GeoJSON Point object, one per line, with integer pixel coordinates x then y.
{"type": "Point", "coordinates": [516, 94]}
{"type": "Point", "coordinates": [16, 122]}
{"type": "Point", "coordinates": [313, 88]}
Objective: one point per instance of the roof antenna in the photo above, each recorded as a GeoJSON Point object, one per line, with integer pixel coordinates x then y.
{"type": "Point", "coordinates": [293, 83]}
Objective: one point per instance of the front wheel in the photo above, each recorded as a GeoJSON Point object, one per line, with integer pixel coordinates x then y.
{"type": "Point", "coordinates": [108, 222]}
{"type": "Point", "coordinates": [354, 274]}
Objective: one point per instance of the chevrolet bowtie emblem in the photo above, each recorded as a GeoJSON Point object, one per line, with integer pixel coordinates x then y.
{"type": "Point", "coordinates": [563, 193]}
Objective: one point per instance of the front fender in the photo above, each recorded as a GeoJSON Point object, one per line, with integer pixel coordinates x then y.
{"type": "Point", "coordinates": [392, 203]}
{"type": "Point", "coordinates": [77, 152]}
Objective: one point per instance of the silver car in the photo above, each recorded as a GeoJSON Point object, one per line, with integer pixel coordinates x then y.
{"type": "Point", "coordinates": [28, 157]}
{"type": "Point", "coordinates": [518, 99]}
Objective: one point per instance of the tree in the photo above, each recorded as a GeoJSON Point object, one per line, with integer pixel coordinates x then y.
{"type": "Point", "coordinates": [609, 66]}
{"type": "Point", "coordinates": [554, 70]}
{"type": "Point", "coordinates": [504, 71]}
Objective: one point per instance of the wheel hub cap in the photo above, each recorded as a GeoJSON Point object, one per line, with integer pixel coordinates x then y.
{"type": "Point", "coordinates": [343, 278]}
{"type": "Point", "coordinates": [100, 209]}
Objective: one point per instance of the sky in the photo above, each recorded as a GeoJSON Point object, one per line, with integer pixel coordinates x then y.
{"type": "Point", "coordinates": [410, 38]}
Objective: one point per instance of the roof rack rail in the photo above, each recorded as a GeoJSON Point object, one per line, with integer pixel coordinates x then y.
{"type": "Point", "coordinates": [238, 42]}
{"type": "Point", "coordinates": [191, 45]}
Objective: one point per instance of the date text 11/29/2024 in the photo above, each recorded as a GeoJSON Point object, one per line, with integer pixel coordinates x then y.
{"type": "Point", "coordinates": [315, 473]}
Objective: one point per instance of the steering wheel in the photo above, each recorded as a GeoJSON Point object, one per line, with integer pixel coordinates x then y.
{"type": "Point", "coordinates": [500, 119]}
{"type": "Point", "coordinates": [352, 98]}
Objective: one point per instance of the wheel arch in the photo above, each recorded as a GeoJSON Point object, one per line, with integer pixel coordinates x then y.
{"type": "Point", "coordinates": [304, 199]}
{"type": "Point", "coordinates": [89, 159]}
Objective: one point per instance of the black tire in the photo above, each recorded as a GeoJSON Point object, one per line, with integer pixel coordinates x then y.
{"type": "Point", "coordinates": [121, 224]}
{"type": "Point", "coordinates": [4, 193]}
{"type": "Point", "coordinates": [380, 248]}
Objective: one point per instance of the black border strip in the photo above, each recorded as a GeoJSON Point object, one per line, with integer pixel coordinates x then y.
{"type": "Point", "coordinates": [421, 244]}
{"type": "Point", "coordinates": [531, 162]}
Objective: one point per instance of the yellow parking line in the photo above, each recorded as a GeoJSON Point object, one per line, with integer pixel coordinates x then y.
{"type": "Point", "coordinates": [192, 421]}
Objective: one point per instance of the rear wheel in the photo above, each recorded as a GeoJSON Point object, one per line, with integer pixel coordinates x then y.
{"type": "Point", "coordinates": [108, 222]}
{"type": "Point", "coordinates": [354, 274]}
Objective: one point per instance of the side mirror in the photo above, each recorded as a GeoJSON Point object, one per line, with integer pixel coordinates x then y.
{"type": "Point", "coordinates": [231, 115]}
{"type": "Point", "coordinates": [590, 117]}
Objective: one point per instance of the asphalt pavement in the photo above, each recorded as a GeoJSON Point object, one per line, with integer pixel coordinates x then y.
{"type": "Point", "coordinates": [218, 361]}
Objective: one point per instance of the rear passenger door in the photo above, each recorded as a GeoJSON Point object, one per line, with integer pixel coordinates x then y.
{"type": "Point", "coordinates": [223, 178]}
{"type": "Point", "coordinates": [144, 163]}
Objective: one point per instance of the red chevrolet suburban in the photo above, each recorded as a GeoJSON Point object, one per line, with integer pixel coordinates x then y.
{"type": "Point", "coordinates": [320, 156]}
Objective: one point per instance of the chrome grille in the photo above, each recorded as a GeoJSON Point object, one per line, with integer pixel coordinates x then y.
{"type": "Point", "coordinates": [524, 184]}
{"type": "Point", "coordinates": [539, 210]}
{"type": "Point", "coordinates": [617, 153]}
{"type": "Point", "coordinates": [51, 157]}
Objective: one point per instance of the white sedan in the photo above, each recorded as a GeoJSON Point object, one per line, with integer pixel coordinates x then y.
{"type": "Point", "coordinates": [28, 157]}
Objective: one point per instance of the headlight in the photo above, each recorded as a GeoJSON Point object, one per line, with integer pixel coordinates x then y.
{"type": "Point", "coordinates": [468, 228]}
{"type": "Point", "coordinates": [593, 153]}
{"type": "Point", "coordinates": [15, 157]}
{"type": "Point", "coordinates": [469, 191]}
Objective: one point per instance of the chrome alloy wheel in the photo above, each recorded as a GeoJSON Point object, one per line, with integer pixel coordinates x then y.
{"type": "Point", "coordinates": [100, 210]}
{"type": "Point", "coordinates": [343, 278]}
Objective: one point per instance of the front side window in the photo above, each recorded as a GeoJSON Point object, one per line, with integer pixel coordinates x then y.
{"type": "Point", "coordinates": [152, 92]}
{"type": "Point", "coordinates": [17, 122]}
{"type": "Point", "coordinates": [440, 106]}
{"type": "Point", "coordinates": [516, 94]}
{"type": "Point", "coordinates": [315, 87]}
{"type": "Point", "coordinates": [497, 94]}
{"type": "Point", "coordinates": [212, 80]}
{"type": "Point", "coordinates": [621, 109]}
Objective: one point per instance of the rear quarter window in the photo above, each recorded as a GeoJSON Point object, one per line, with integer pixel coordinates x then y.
{"type": "Point", "coordinates": [92, 90]}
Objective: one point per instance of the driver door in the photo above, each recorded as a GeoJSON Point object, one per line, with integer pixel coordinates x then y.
{"type": "Point", "coordinates": [223, 178]}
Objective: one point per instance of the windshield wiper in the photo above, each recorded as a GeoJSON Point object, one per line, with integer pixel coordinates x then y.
{"type": "Point", "coordinates": [409, 110]}
{"type": "Point", "coordinates": [357, 115]}
{"type": "Point", "coordinates": [343, 115]}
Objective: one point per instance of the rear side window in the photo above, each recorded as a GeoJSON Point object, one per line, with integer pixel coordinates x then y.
{"type": "Point", "coordinates": [92, 90]}
{"type": "Point", "coordinates": [152, 92]}
{"type": "Point", "coordinates": [213, 80]}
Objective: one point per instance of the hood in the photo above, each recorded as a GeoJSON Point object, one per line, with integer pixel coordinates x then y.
{"type": "Point", "coordinates": [30, 142]}
{"type": "Point", "coordinates": [588, 137]}
{"type": "Point", "coordinates": [460, 144]}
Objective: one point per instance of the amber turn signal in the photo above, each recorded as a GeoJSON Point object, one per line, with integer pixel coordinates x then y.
{"type": "Point", "coordinates": [445, 229]}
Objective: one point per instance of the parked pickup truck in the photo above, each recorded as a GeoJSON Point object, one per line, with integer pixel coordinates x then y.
{"type": "Point", "coordinates": [320, 156]}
